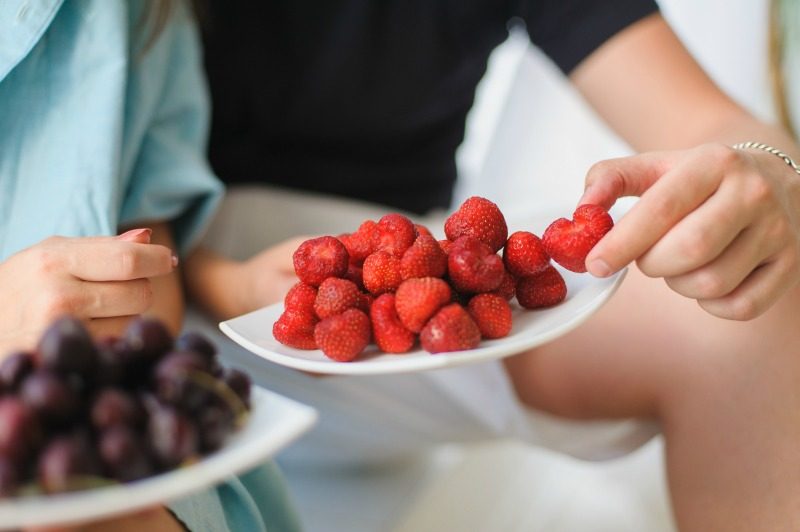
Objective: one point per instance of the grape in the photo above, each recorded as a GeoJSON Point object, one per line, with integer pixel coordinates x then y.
{"type": "Point", "coordinates": [196, 343]}
{"type": "Point", "coordinates": [148, 339]}
{"type": "Point", "coordinates": [66, 347]}
{"type": "Point", "coordinates": [50, 396]}
{"type": "Point", "coordinates": [13, 369]}
{"type": "Point", "coordinates": [113, 406]}
{"type": "Point", "coordinates": [239, 382]}
{"type": "Point", "coordinates": [19, 429]}
{"type": "Point", "coordinates": [123, 454]}
{"type": "Point", "coordinates": [111, 360]}
{"type": "Point", "coordinates": [64, 460]}
{"type": "Point", "coordinates": [215, 423]}
{"type": "Point", "coordinates": [9, 476]}
{"type": "Point", "coordinates": [176, 380]}
{"type": "Point", "coordinates": [172, 436]}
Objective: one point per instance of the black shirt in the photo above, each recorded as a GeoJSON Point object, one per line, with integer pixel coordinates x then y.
{"type": "Point", "coordinates": [368, 98]}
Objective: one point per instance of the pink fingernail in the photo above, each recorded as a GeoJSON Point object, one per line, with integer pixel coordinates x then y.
{"type": "Point", "coordinates": [599, 268]}
{"type": "Point", "coordinates": [175, 260]}
{"type": "Point", "coordinates": [135, 234]}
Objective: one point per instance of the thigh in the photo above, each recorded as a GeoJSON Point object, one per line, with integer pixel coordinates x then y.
{"type": "Point", "coordinates": [646, 346]}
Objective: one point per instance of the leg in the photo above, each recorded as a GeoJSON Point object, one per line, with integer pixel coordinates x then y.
{"type": "Point", "coordinates": [725, 392]}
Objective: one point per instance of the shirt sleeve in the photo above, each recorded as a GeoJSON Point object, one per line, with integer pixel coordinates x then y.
{"type": "Point", "coordinates": [569, 30]}
{"type": "Point", "coordinates": [170, 178]}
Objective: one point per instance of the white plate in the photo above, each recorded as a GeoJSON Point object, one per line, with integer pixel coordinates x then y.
{"type": "Point", "coordinates": [585, 294]}
{"type": "Point", "coordinates": [274, 422]}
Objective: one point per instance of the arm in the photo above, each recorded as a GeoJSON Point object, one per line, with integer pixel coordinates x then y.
{"type": "Point", "coordinates": [720, 226]}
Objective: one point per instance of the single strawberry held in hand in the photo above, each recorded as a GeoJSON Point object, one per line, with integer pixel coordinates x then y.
{"type": "Point", "coordinates": [568, 242]}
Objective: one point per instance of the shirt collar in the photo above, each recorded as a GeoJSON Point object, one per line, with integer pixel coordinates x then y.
{"type": "Point", "coordinates": [22, 23]}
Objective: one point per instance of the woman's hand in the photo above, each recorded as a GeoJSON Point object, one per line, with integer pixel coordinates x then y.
{"type": "Point", "coordinates": [228, 288]}
{"type": "Point", "coordinates": [720, 225]}
{"type": "Point", "coordinates": [152, 520]}
{"type": "Point", "coordinates": [102, 280]}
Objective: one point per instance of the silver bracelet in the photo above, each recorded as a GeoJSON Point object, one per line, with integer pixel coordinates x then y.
{"type": "Point", "coordinates": [774, 151]}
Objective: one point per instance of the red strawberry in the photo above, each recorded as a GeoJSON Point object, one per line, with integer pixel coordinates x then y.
{"type": "Point", "coordinates": [541, 290]}
{"type": "Point", "coordinates": [296, 329]}
{"type": "Point", "coordinates": [445, 245]}
{"type": "Point", "coordinates": [343, 336]}
{"type": "Point", "coordinates": [361, 243]}
{"type": "Point", "coordinates": [390, 334]}
{"type": "Point", "coordinates": [319, 258]}
{"type": "Point", "coordinates": [479, 218]}
{"type": "Point", "coordinates": [492, 315]}
{"type": "Point", "coordinates": [419, 299]}
{"type": "Point", "coordinates": [507, 287]}
{"type": "Point", "coordinates": [396, 233]}
{"type": "Point", "coordinates": [473, 267]}
{"type": "Point", "coordinates": [424, 258]}
{"type": "Point", "coordinates": [451, 329]}
{"type": "Point", "coordinates": [569, 242]}
{"type": "Point", "coordinates": [524, 254]}
{"type": "Point", "coordinates": [355, 274]}
{"type": "Point", "coordinates": [422, 230]}
{"type": "Point", "coordinates": [300, 297]}
{"type": "Point", "coordinates": [381, 273]}
{"type": "Point", "coordinates": [337, 295]}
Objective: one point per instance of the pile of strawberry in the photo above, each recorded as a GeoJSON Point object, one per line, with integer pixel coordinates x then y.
{"type": "Point", "coordinates": [392, 282]}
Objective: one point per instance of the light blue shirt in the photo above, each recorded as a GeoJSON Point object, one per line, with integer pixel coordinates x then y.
{"type": "Point", "coordinates": [98, 131]}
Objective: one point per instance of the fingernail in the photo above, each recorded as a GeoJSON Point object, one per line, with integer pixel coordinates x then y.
{"type": "Point", "coordinates": [133, 234]}
{"type": "Point", "coordinates": [599, 268]}
{"type": "Point", "coordinates": [175, 260]}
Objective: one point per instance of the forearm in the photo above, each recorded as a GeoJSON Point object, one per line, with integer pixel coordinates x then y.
{"type": "Point", "coordinates": [208, 280]}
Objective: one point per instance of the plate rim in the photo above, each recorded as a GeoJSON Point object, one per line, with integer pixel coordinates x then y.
{"type": "Point", "coordinates": [435, 361]}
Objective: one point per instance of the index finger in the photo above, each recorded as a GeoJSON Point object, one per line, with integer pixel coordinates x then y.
{"type": "Point", "coordinates": [109, 259]}
{"type": "Point", "coordinates": [677, 193]}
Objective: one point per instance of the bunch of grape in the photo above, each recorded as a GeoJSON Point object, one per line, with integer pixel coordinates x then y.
{"type": "Point", "coordinates": [74, 411]}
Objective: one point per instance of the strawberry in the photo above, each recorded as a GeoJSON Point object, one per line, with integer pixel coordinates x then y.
{"type": "Point", "coordinates": [569, 242]}
{"type": "Point", "coordinates": [473, 267]}
{"type": "Point", "coordinates": [337, 295]}
{"type": "Point", "coordinates": [450, 329]}
{"type": "Point", "coordinates": [300, 297]}
{"type": "Point", "coordinates": [445, 245]}
{"type": "Point", "coordinates": [524, 254]}
{"type": "Point", "coordinates": [343, 336]}
{"type": "Point", "coordinates": [381, 273]}
{"type": "Point", "coordinates": [479, 218]}
{"type": "Point", "coordinates": [390, 334]}
{"type": "Point", "coordinates": [422, 230]}
{"type": "Point", "coordinates": [319, 258]}
{"type": "Point", "coordinates": [355, 274]}
{"type": "Point", "coordinates": [361, 243]}
{"type": "Point", "coordinates": [507, 288]}
{"type": "Point", "coordinates": [492, 315]}
{"type": "Point", "coordinates": [419, 299]}
{"type": "Point", "coordinates": [541, 290]}
{"type": "Point", "coordinates": [295, 328]}
{"type": "Point", "coordinates": [396, 233]}
{"type": "Point", "coordinates": [424, 258]}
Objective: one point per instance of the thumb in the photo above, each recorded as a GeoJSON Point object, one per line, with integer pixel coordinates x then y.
{"type": "Point", "coordinates": [609, 180]}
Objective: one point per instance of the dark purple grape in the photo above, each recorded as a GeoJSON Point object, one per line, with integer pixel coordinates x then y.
{"type": "Point", "coordinates": [9, 476]}
{"type": "Point", "coordinates": [66, 347]}
{"type": "Point", "coordinates": [215, 423]}
{"type": "Point", "coordinates": [14, 369]}
{"type": "Point", "coordinates": [111, 360]}
{"type": "Point", "coordinates": [112, 406]}
{"type": "Point", "coordinates": [65, 460]}
{"type": "Point", "coordinates": [196, 343]}
{"type": "Point", "coordinates": [177, 376]}
{"type": "Point", "coordinates": [123, 454]}
{"type": "Point", "coordinates": [173, 437]}
{"type": "Point", "coordinates": [51, 397]}
{"type": "Point", "coordinates": [148, 339]}
{"type": "Point", "coordinates": [239, 382]}
{"type": "Point", "coordinates": [19, 429]}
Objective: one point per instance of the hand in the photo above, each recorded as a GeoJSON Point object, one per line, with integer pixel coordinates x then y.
{"type": "Point", "coordinates": [266, 277]}
{"type": "Point", "coordinates": [102, 280]}
{"type": "Point", "coordinates": [153, 520]}
{"type": "Point", "coordinates": [721, 226]}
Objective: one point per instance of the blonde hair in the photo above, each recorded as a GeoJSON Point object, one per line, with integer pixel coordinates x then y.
{"type": "Point", "coordinates": [778, 45]}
